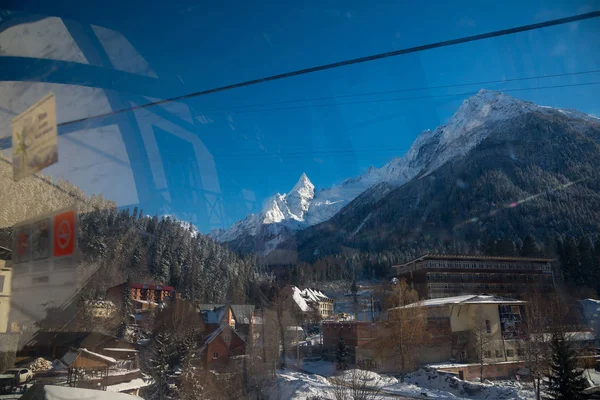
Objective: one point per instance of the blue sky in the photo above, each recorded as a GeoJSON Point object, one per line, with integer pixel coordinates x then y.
{"type": "Point", "coordinates": [193, 46]}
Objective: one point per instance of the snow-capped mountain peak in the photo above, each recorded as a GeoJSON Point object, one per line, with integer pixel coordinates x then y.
{"type": "Point", "coordinates": [291, 206]}
{"type": "Point", "coordinates": [299, 198]}
{"type": "Point", "coordinates": [304, 187]}
{"type": "Point", "coordinates": [471, 124]}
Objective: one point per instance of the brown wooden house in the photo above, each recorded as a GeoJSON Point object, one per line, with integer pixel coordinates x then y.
{"type": "Point", "coordinates": [220, 346]}
{"type": "Point", "coordinates": [87, 369]}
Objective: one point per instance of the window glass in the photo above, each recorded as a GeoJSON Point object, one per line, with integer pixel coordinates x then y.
{"type": "Point", "coordinates": [167, 165]}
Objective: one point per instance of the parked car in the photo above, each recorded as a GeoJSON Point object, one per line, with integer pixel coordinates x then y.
{"type": "Point", "coordinates": [22, 375]}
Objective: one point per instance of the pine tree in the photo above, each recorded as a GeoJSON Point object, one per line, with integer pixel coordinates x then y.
{"type": "Point", "coordinates": [126, 307]}
{"type": "Point", "coordinates": [162, 357]}
{"type": "Point", "coordinates": [530, 247]}
{"type": "Point", "coordinates": [565, 380]}
{"type": "Point", "coordinates": [354, 290]}
{"type": "Point", "coordinates": [342, 355]}
{"type": "Point", "coordinates": [569, 262]}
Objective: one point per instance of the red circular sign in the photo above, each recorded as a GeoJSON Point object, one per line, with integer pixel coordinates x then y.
{"type": "Point", "coordinates": [63, 236]}
{"type": "Point", "coordinates": [22, 244]}
{"type": "Point", "coordinates": [64, 233]}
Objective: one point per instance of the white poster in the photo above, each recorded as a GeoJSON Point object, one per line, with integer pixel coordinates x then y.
{"type": "Point", "coordinates": [35, 138]}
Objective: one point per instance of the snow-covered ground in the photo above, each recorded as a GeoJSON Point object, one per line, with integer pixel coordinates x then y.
{"type": "Point", "coordinates": [320, 379]}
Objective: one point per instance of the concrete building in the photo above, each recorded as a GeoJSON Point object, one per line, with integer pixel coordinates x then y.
{"type": "Point", "coordinates": [435, 275]}
{"type": "Point", "coordinates": [501, 321]}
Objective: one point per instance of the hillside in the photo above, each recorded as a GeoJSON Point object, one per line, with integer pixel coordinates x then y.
{"type": "Point", "coordinates": [484, 135]}
{"type": "Point", "coordinates": [119, 244]}
{"type": "Point", "coordinates": [533, 173]}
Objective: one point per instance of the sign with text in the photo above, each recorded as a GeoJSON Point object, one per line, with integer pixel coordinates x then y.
{"type": "Point", "coordinates": [45, 268]}
{"type": "Point", "coordinates": [35, 138]}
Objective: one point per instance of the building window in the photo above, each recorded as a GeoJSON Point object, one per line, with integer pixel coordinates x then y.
{"type": "Point", "coordinates": [488, 326]}
{"type": "Point", "coordinates": [215, 355]}
{"type": "Point", "coordinates": [498, 354]}
{"type": "Point", "coordinates": [520, 352]}
{"type": "Point", "coordinates": [487, 354]}
{"type": "Point", "coordinates": [510, 353]}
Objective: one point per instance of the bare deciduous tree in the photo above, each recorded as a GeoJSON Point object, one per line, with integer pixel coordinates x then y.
{"type": "Point", "coordinates": [405, 332]}
{"type": "Point", "coordinates": [262, 354]}
{"type": "Point", "coordinates": [355, 384]}
{"type": "Point", "coordinates": [537, 344]}
{"type": "Point", "coordinates": [483, 337]}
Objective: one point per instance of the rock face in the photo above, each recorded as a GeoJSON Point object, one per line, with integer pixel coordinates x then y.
{"type": "Point", "coordinates": [495, 131]}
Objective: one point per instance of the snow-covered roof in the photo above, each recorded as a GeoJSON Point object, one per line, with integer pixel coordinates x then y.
{"type": "Point", "coordinates": [70, 356]}
{"type": "Point", "coordinates": [306, 297]}
{"type": "Point", "coordinates": [594, 301]}
{"type": "Point", "coordinates": [123, 350]}
{"type": "Point", "coordinates": [98, 355]}
{"type": "Point", "coordinates": [51, 392]}
{"type": "Point", "coordinates": [314, 295]}
{"type": "Point", "coordinates": [299, 299]}
{"type": "Point", "coordinates": [465, 299]}
{"type": "Point", "coordinates": [131, 385]}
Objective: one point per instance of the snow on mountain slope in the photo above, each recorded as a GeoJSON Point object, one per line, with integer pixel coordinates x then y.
{"type": "Point", "coordinates": [302, 207]}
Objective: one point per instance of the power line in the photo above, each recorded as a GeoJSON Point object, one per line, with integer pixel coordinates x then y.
{"type": "Point", "coordinates": [402, 99]}
{"type": "Point", "coordinates": [209, 111]}
{"type": "Point", "coordinates": [231, 109]}
{"type": "Point", "coordinates": [353, 61]}
{"type": "Point", "coordinates": [289, 155]}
